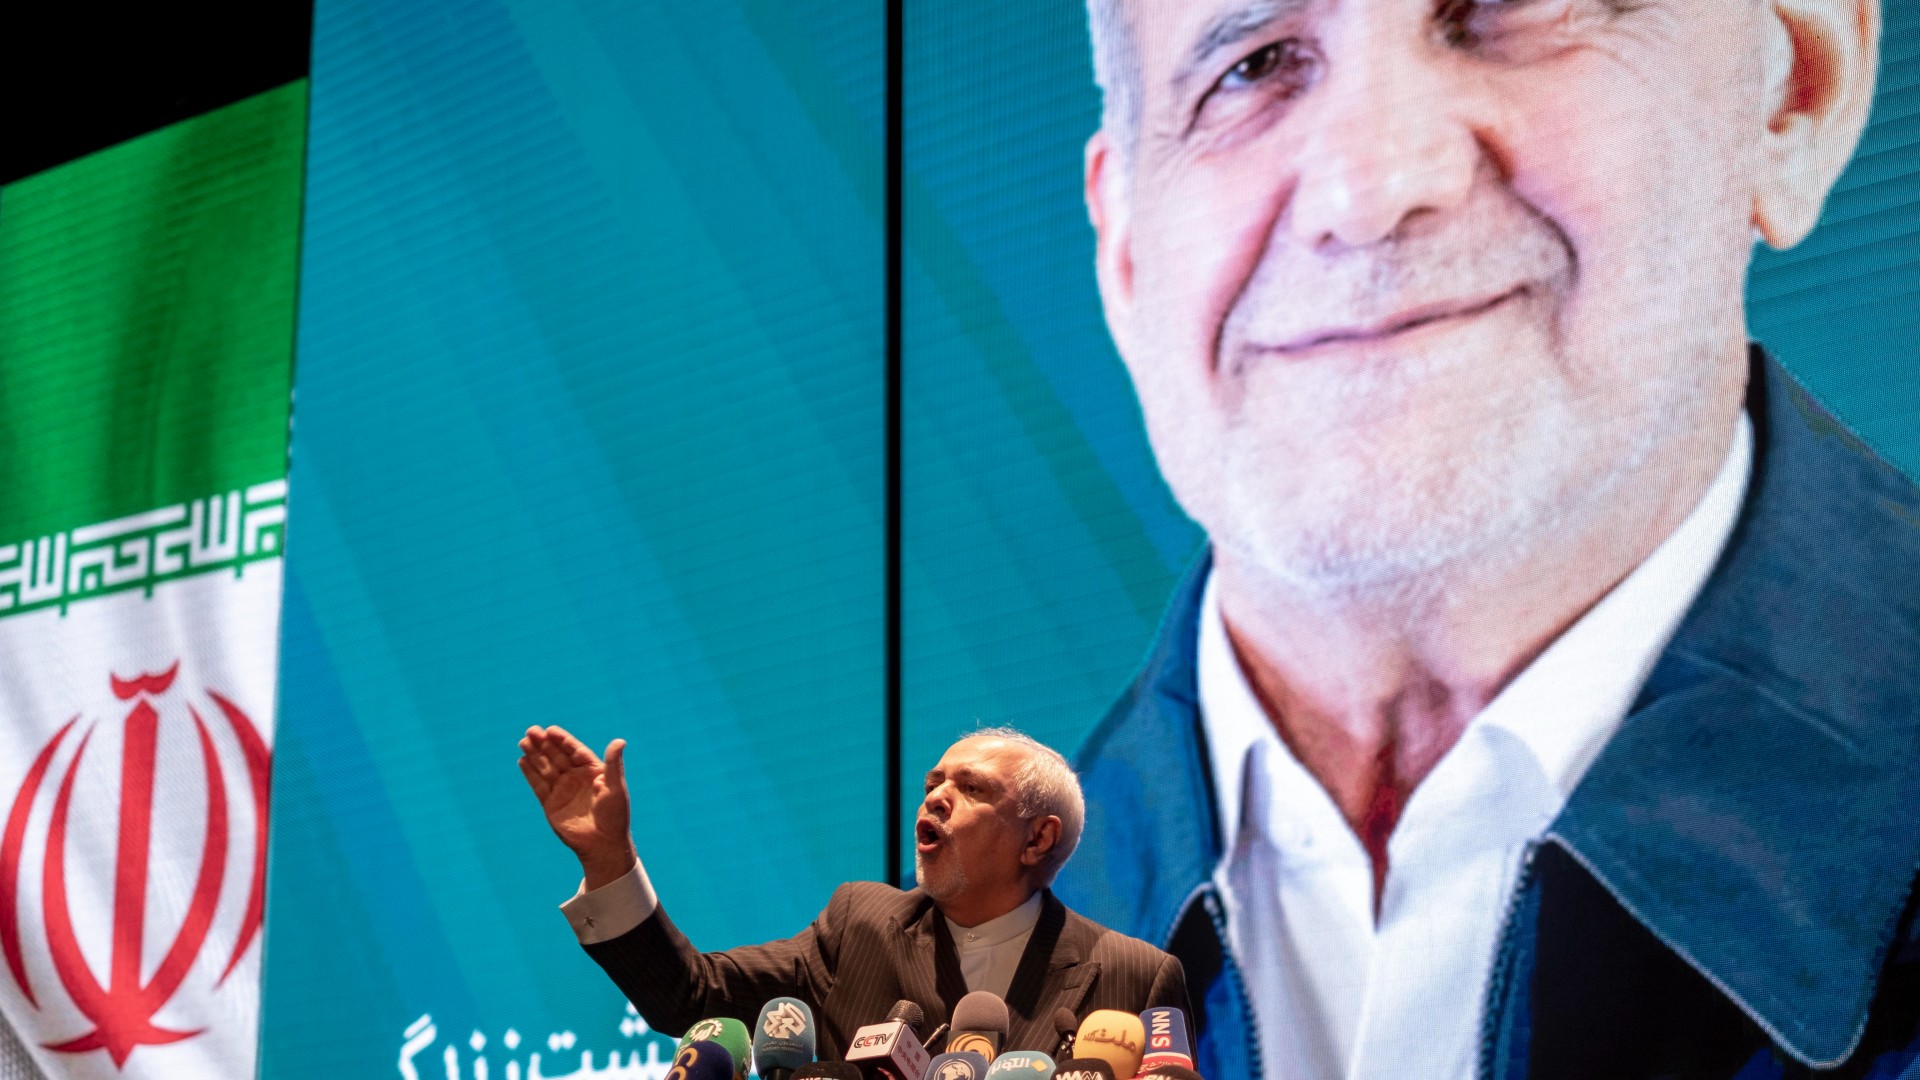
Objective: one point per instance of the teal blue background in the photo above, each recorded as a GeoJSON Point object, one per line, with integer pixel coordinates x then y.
{"type": "Point", "coordinates": [588, 413]}
{"type": "Point", "coordinates": [1040, 543]}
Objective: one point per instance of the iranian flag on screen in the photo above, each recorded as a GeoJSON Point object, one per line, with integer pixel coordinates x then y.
{"type": "Point", "coordinates": [146, 338]}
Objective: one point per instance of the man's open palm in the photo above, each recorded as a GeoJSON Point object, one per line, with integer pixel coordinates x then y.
{"type": "Point", "coordinates": [584, 797]}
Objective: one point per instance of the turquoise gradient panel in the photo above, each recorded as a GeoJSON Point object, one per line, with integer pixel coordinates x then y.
{"type": "Point", "coordinates": [588, 431]}
{"type": "Point", "coordinates": [1040, 542]}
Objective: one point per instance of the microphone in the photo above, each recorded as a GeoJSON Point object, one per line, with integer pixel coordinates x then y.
{"type": "Point", "coordinates": [1063, 1025]}
{"type": "Point", "coordinates": [1085, 1069]}
{"type": "Point", "coordinates": [783, 1038]}
{"type": "Point", "coordinates": [1021, 1065]}
{"type": "Point", "coordinates": [956, 1065]}
{"type": "Point", "coordinates": [1114, 1037]}
{"type": "Point", "coordinates": [827, 1070]}
{"type": "Point", "coordinates": [1167, 1042]}
{"type": "Point", "coordinates": [891, 1050]}
{"type": "Point", "coordinates": [729, 1033]}
{"type": "Point", "coordinates": [980, 1024]}
{"type": "Point", "coordinates": [1169, 1072]}
{"type": "Point", "coordinates": [702, 1059]}
{"type": "Point", "coordinates": [933, 1040]}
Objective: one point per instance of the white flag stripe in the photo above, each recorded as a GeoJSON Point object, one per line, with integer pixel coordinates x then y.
{"type": "Point", "coordinates": [173, 685]}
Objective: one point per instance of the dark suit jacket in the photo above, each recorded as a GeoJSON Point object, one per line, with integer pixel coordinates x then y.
{"type": "Point", "coordinates": [873, 946]}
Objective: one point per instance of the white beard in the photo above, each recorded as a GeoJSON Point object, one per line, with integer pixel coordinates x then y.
{"type": "Point", "coordinates": [943, 884]}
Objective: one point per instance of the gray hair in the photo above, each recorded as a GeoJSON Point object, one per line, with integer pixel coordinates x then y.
{"type": "Point", "coordinates": [1044, 784]}
{"type": "Point", "coordinates": [1116, 68]}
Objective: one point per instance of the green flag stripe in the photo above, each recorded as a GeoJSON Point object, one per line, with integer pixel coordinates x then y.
{"type": "Point", "coordinates": [146, 320]}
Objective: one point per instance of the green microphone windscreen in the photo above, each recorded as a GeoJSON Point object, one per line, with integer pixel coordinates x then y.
{"type": "Point", "coordinates": [729, 1033]}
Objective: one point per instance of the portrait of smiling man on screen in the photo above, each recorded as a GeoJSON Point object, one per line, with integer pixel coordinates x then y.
{"type": "Point", "coordinates": [1548, 701]}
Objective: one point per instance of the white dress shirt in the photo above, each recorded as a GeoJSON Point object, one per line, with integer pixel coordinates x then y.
{"type": "Point", "coordinates": [613, 908]}
{"type": "Point", "coordinates": [1337, 993]}
{"type": "Point", "coordinates": [989, 953]}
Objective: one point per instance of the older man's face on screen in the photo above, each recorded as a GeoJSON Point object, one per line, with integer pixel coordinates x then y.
{"type": "Point", "coordinates": [1400, 282]}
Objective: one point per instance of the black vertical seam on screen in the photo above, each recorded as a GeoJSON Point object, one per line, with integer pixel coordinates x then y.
{"type": "Point", "coordinates": [895, 31]}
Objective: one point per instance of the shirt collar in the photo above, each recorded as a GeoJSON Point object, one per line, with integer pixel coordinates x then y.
{"type": "Point", "coordinates": [1562, 707]}
{"type": "Point", "coordinates": [997, 931]}
{"type": "Point", "coordinates": [1235, 721]}
{"type": "Point", "coordinates": [1567, 703]}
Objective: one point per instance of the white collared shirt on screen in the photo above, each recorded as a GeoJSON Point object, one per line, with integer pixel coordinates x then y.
{"type": "Point", "coordinates": [1338, 994]}
{"type": "Point", "coordinates": [989, 953]}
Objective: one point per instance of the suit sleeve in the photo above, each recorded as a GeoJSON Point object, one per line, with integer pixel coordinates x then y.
{"type": "Point", "coordinates": [1169, 987]}
{"type": "Point", "coordinates": [674, 986]}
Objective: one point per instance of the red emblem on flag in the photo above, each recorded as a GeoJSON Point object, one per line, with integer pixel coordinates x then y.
{"type": "Point", "coordinates": [122, 1010]}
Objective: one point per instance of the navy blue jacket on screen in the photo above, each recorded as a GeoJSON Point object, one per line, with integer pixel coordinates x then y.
{"type": "Point", "coordinates": [1728, 893]}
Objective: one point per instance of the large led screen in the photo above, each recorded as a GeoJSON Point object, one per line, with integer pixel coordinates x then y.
{"type": "Point", "coordinates": [1441, 464]}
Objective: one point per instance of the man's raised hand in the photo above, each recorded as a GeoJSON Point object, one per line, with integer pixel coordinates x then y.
{"type": "Point", "coordinates": [584, 798]}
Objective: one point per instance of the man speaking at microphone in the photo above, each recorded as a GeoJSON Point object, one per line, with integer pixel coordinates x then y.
{"type": "Point", "coordinates": [1002, 814]}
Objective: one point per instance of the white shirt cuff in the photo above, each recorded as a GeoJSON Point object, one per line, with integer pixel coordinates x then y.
{"type": "Point", "coordinates": [612, 909]}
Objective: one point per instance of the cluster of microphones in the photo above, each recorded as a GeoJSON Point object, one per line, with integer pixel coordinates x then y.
{"type": "Point", "coordinates": [1107, 1045]}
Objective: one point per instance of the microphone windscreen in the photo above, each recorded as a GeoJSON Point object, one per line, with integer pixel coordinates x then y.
{"type": "Point", "coordinates": [1169, 1072]}
{"type": "Point", "coordinates": [1085, 1069]}
{"type": "Point", "coordinates": [1114, 1037]}
{"type": "Point", "coordinates": [827, 1070]}
{"type": "Point", "coordinates": [1021, 1065]}
{"type": "Point", "coordinates": [783, 1037]}
{"type": "Point", "coordinates": [702, 1059]}
{"type": "Point", "coordinates": [1063, 1021]}
{"type": "Point", "coordinates": [956, 1065]}
{"type": "Point", "coordinates": [729, 1033]}
{"type": "Point", "coordinates": [980, 1024]}
{"type": "Point", "coordinates": [908, 1013]}
{"type": "Point", "coordinates": [981, 1010]}
{"type": "Point", "coordinates": [1167, 1042]}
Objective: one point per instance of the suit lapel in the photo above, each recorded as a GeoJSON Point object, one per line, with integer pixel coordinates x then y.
{"type": "Point", "coordinates": [1053, 974]}
{"type": "Point", "coordinates": [948, 982]}
{"type": "Point", "coordinates": [931, 978]}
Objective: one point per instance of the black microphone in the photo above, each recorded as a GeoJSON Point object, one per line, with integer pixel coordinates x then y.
{"type": "Point", "coordinates": [980, 1024]}
{"type": "Point", "coordinates": [1063, 1026]}
{"type": "Point", "coordinates": [891, 1050]}
{"type": "Point", "coordinates": [933, 1040]}
{"type": "Point", "coordinates": [827, 1070]}
{"type": "Point", "coordinates": [1085, 1069]}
